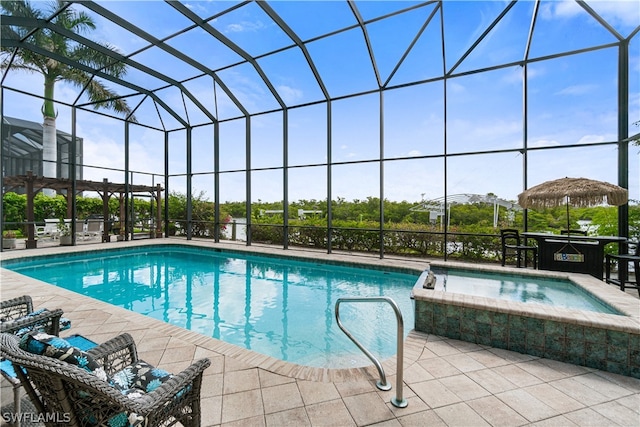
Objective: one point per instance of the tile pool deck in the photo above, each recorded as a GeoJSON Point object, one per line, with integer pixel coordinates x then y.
{"type": "Point", "coordinates": [446, 382]}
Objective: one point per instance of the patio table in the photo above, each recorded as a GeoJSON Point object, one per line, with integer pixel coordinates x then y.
{"type": "Point", "coordinates": [573, 253]}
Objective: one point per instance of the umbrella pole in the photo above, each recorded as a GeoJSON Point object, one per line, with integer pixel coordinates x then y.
{"type": "Point", "coordinates": [568, 221]}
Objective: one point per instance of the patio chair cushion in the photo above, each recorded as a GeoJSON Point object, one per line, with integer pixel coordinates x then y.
{"type": "Point", "coordinates": [139, 377]}
{"type": "Point", "coordinates": [134, 381]}
{"type": "Point", "coordinates": [40, 343]}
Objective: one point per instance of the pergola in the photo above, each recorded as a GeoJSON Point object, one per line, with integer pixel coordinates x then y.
{"type": "Point", "coordinates": [67, 187]}
{"type": "Point", "coordinates": [437, 207]}
{"type": "Point", "coordinates": [203, 70]}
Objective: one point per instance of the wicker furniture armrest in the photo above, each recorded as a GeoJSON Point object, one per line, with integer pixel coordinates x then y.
{"type": "Point", "coordinates": [48, 321]}
{"type": "Point", "coordinates": [15, 308]}
{"type": "Point", "coordinates": [175, 389]}
{"type": "Point", "coordinates": [115, 354]}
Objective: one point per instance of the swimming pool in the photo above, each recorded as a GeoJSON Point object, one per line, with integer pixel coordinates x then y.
{"type": "Point", "coordinates": [272, 305]}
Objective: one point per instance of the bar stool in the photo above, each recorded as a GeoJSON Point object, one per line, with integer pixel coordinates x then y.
{"type": "Point", "coordinates": [623, 279]}
{"type": "Point", "coordinates": [512, 246]}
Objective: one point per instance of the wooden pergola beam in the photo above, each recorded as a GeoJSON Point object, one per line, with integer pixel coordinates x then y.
{"type": "Point", "coordinates": [33, 184]}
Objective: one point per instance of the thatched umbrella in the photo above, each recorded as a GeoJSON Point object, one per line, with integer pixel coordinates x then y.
{"type": "Point", "coordinates": [580, 192]}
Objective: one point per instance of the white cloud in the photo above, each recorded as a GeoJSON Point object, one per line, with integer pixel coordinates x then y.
{"type": "Point", "coordinates": [234, 28]}
{"type": "Point", "coordinates": [456, 87]}
{"type": "Point", "coordinates": [577, 89]}
{"type": "Point", "coordinates": [543, 143]}
{"type": "Point", "coordinates": [96, 154]}
{"type": "Point", "coordinates": [289, 94]}
{"type": "Point", "coordinates": [566, 9]}
{"type": "Point", "coordinates": [589, 139]}
{"type": "Point", "coordinates": [515, 76]}
{"type": "Point", "coordinates": [245, 26]}
{"type": "Point", "coordinates": [625, 12]}
{"type": "Point", "coordinates": [620, 12]}
{"type": "Point", "coordinates": [563, 9]}
{"type": "Point", "coordinates": [494, 130]}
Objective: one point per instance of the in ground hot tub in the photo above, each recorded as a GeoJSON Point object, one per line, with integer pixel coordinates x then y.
{"type": "Point", "coordinates": [605, 337]}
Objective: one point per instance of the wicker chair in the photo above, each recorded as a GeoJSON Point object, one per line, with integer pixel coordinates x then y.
{"type": "Point", "coordinates": [15, 315]}
{"type": "Point", "coordinates": [72, 396]}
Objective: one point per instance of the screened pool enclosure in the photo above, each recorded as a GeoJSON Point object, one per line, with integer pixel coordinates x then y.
{"type": "Point", "coordinates": [332, 101]}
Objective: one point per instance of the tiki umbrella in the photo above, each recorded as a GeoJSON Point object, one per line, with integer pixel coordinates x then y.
{"type": "Point", "coordinates": [579, 192]}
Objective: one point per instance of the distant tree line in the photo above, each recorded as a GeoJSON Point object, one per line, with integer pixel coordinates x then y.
{"type": "Point", "coordinates": [355, 224]}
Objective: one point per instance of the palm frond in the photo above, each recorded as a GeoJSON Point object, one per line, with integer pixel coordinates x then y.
{"type": "Point", "coordinates": [20, 8]}
{"type": "Point", "coordinates": [69, 18]}
{"type": "Point", "coordinates": [107, 98]}
{"type": "Point", "coordinates": [100, 61]}
{"type": "Point", "coordinates": [78, 22]}
{"type": "Point", "coordinates": [19, 65]}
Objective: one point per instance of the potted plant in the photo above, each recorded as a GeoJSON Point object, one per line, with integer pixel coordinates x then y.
{"type": "Point", "coordinates": [64, 230]}
{"type": "Point", "coordinates": [9, 240]}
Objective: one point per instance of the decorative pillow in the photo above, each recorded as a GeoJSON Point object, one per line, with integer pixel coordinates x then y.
{"type": "Point", "coordinates": [139, 377]}
{"type": "Point", "coordinates": [40, 343]}
{"type": "Point", "coordinates": [134, 381]}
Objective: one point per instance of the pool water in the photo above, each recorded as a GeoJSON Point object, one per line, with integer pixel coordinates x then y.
{"type": "Point", "coordinates": [273, 305]}
{"type": "Point", "coordinates": [519, 288]}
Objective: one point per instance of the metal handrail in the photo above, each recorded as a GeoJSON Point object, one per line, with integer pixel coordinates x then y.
{"type": "Point", "coordinates": [382, 384]}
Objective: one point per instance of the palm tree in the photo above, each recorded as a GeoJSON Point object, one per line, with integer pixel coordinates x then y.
{"type": "Point", "coordinates": [54, 71]}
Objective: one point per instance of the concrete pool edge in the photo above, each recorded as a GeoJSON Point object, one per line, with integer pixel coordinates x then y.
{"type": "Point", "coordinates": [416, 265]}
{"type": "Point", "coordinates": [414, 342]}
{"type": "Point", "coordinates": [606, 293]}
{"type": "Point", "coordinates": [603, 341]}
{"type": "Point", "coordinates": [46, 295]}
{"type": "Point", "coordinates": [623, 302]}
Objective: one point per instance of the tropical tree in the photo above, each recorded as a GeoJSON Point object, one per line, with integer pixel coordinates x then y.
{"type": "Point", "coordinates": [54, 71]}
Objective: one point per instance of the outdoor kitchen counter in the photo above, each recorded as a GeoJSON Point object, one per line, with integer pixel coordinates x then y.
{"type": "Point", "coordinates": [573, 253]}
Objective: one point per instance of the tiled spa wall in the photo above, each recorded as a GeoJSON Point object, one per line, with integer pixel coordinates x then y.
{"type": "Point", "coordinates": [593, 346]}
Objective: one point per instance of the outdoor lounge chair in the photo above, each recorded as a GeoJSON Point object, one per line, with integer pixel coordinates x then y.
{"type": "Point", "coordinates": [49, 230]}
{"type": "Point", "coordinates": [104, 386]}
{"type": "Point", "coordinates": [93, 229]}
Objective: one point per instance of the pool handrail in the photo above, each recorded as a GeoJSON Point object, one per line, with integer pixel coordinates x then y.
{"type": "Point", "coordinates": [382, 384]}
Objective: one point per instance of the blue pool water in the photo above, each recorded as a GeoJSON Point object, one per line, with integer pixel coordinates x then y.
{"type": "Point", "coordinates": [519, 288]}
{"type": "Point", "coordinates": [275, 306]}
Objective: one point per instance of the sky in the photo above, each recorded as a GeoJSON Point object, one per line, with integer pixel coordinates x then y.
{"type": "Point", "coordinates": [571, 100]}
